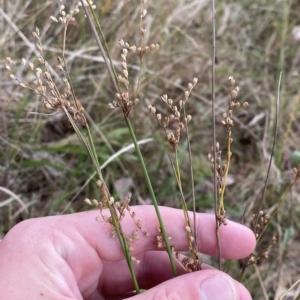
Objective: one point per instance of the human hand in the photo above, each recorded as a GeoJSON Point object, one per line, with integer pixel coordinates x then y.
{"type": "Point", "coordinates": [74, 257]}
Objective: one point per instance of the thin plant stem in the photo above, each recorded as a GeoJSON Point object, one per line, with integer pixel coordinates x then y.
{"type": "Point", "coordinates": [192, 181]}
{"type": "Point", "coordinates": [152, 195]}
{"type": "Point", "coordinates": [141, 56]}
{"type": "Point", "coordinates": [178, 179]}
{"type": "Point", "coordinates": [213, 109]}
{"type": "Point", "coordinates": [221, 200]}
{"type": "Point", "coordinates": [286, 292]}
{"type": "Point", "coordinates": [107, 60]}
{"type": "Point", "coordinates": [141, 60]}
{"type": "Point", "coordinates": [139, 79]}
{"type": "Point", "coordinates": [66, 68]}
{"type": "Point", "coordinates": [177, 169]}
{"type": "Point", "coordinates": [192, 241]}
{"type": "Point", "coordinates": [261, 281]}
{"type": "Point", "coordinates": [124, 245]}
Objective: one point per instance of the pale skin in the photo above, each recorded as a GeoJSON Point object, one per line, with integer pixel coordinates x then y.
{"type": "Point", "coordinates": [75, 257]}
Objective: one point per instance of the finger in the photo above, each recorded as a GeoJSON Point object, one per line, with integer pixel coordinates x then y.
{"type": "Point", "coordinates": [236, 241]}
{"type": "Point", "coordinates": [154, 269]}
{"type": "Point", "coordinates": [202, 285]}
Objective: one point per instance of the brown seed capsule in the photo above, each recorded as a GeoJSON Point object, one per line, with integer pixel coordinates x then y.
{"type": "Point", "coordinates": [23, 85]}
{"type": "Point", "coordinates": [188, 229]}
{"type": "Point", "coordinates": [95, 202]}
{"type": "Point", "coordinates": [87, 201]}
{"type": "Point", "coordinates": [188, 118]}
{"type": "Point", "coordinates": [233, 94]}
{"type": "Point", "coordinates": [139, 223]}
{"type": "Point", "coordinates": [164, 98]}
{"type": "Point", "coordinates": [231, 81]}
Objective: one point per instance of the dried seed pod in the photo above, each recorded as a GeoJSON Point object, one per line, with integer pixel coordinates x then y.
{"type": "Point", "coordinates": [188, 118]}
{"type": "Point", "coordinates": [159, 245]}
{"type": "Point", "coordinates": [133, 49]}
{"type": "Point", "coordinates": [170, 102]}
{"type": "Point", "coordinates": [23, 85]}
{"type": "Point", "coordinates": [188, 229]}
{"type": "Point", "coordinates": [139, 223]}
{"type": "Point", "coordinates": [95, 202]}
{"type": "Point", "coordinates": [186, 94]}
{"type": "Point", "coordinates": [87, 201]}
{"type": "Point", "coordinates": [164, 98]}
{"type": "Point", "coordinates": [143, 14]}
{"type": "Point", "coordinates": [233, 94]}
{"type": "Point", "coordinates": [231, 81]}
{"type": "Point", "coordinates": [146, 49]}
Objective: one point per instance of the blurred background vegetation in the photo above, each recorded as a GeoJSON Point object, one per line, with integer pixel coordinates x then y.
{"type": "Point", "coordinates": [42, 162]}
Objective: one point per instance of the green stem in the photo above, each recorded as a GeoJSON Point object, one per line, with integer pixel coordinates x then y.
{"type": "Point", "coordinates": [177, 174]}
{"type": "Point", "coordinates": [191, 235]}
{"type": "Point", "coordinates": [130, 265]}
{"type": "Point", "coordinates": [91, 142]}
{"type": "Point", "coordinates": [221, 200]}
{"type": "Point", "coordinates": [152, 195]}
{"type": "Point", "coordinates": [117, 225]}
{"type": "Point", "coordinates": [124, 246]}
{"type": "Point", "coordinates": [113, 213]}
{"type": "Point", "coordinates": [105, 52]}
{"type": "Point", "coordinates": [177, 168]}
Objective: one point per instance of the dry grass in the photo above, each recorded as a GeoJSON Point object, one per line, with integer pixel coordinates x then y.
{"type": "Point", "coordinates": [44, 165]}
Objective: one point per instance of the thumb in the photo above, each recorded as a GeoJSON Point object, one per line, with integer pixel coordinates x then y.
{"type": "Point", "coordinates": [201, 285]}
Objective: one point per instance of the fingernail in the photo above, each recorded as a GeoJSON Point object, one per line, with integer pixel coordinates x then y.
{"type": "Point", "coordinates": [217, 288]}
